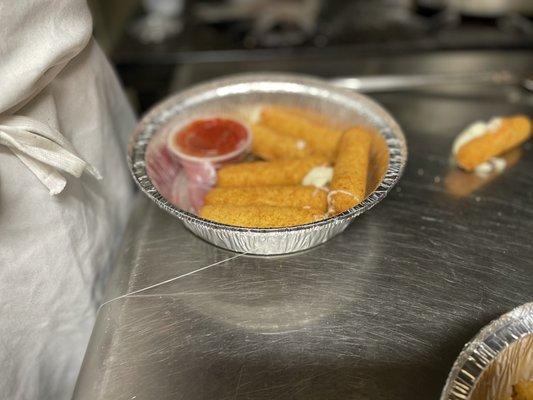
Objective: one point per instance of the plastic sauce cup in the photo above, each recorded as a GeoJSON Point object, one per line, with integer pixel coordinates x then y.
{"type": "Point", "coordinates": [204, 145]}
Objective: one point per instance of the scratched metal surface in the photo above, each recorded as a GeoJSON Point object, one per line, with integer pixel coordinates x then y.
{"type": "Point", "coordinates": [379, 312]}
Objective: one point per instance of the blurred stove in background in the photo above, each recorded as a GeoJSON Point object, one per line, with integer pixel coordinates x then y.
{"type": "Point", "coordinates": [261, 23]}
{"type": "Point", "coordinates": [149, 56]}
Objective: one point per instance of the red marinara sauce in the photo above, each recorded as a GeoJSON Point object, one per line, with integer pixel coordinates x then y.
{"type": "Point", "coordinates": [211, 137]}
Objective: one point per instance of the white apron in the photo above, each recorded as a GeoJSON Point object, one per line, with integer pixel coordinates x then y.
{"type": "Point", "coordinates": [55, 250]}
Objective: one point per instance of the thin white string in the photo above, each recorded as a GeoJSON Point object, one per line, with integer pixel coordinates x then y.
{"type": "Point", "coordinates": [161, 295]}
{"type": "Point", "coordinates": [135, 292]}
{"type": "Point", "coordinates": [130, 294]}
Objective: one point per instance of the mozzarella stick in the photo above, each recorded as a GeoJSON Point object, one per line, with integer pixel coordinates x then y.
{"type": "Point", "coordinates": [502, 136]}
{"type": "Point", "coordinates": [268, 173]}
{"type": "Point", "coordinates": [523, 390]}
{"type": "Point", "coordinates": [270, 145]}
{"type": "Point", "coordinates": [283, 196]}
{"type": "Point", "coordinates": [320, 138]}
{"type": "Point", "coordinates": [259, 216]}
{"type": "Point", "coordinates": [348, 186]}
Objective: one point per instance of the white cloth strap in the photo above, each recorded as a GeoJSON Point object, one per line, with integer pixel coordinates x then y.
{"type": "Point", "coordinates": [43, 150]}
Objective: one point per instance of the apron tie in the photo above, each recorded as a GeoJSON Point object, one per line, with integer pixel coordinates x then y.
{"type": "Point", "coordinates": [43, 150]}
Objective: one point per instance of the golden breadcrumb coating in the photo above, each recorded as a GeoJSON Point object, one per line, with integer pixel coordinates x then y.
{"type": "Point", "coordinates": [512, 132]}
{"type": "Point", "coordinates": [283, 196]}
{"type": "Point", "coordinates": [271, 145]}
{"type": "Point", "coordinates": [322, 139]}
{"type": "Point", "coordinates": [260, 216]}
{"type": "Point", "coordinates": [268, 173]}
{"type": "Point", "coordinates": [348, 186]}
{"type": "Point", "coordinates": [523, 390]}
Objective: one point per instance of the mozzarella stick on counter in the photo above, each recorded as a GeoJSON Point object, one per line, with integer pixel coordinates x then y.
{"type": "Point", "coordinates": [305, 197]}
{"type": "Point", "coordinates": [348, 186]}
{"type": "Point", "coordinates": [319, 137]}
{"type": "Point", "coordinates": [259, 216]}
{"type": "Point", "coordinates": [480, 142]}
{"type": "Point", "coordinates": [270, 145]}
{"type": "Point", "coordinates": [268, 173]}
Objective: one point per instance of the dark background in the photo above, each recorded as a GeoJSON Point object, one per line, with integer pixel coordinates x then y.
{"type": "Point", "coordinates": [153, 43]}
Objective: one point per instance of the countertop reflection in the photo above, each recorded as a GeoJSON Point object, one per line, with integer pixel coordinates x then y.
{"type": "Point", "coordinates": [379, 312]}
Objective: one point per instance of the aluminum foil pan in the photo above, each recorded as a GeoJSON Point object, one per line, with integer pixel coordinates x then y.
{"type": "Point", "coordinates": [498, 357]}
{"type": "Point", "coordinates": [226, 94]}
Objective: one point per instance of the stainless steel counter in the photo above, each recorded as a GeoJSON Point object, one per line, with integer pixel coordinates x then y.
{"type": "Point", "coordinates": [379, 312]}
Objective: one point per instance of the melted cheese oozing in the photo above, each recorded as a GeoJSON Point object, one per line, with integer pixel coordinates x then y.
{"type": "Point", "coordinates": [318, 176]}
{"type": "Point", "coordinates": [301, 144]}
{"type": "Point", "coordinates": [251, 114]}
{"type": "Point", "coordinates": [495, 164]}
{"type": "Point", "coordinates": [499, 164]}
